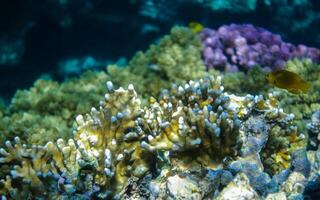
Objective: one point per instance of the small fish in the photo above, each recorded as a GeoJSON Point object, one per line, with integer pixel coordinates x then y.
{"type": "Point", "coordinates": [196, 27]}
{"type": "Point", "coordinates": [288, 80]}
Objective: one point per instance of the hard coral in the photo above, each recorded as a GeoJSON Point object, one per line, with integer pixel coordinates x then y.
{"type": "Point", "coordinates": [175, 59]}
{"type": "Point", "coordinates": [314, 130]}
{"type": "Point", "coordinates": [302, 105]}
{"type": "Point", "coordinates": [200, 125]}
{"type": "Point", "coordinates": [103, 154]}
{"type": "Point", "coordinates": [106, 138]}
{"type": "Point", "coordinates": [47, 110]}
{"type": "Point", "coordinates": [192, 126]}
{"type": "Point", "coordinates": [240, 47]}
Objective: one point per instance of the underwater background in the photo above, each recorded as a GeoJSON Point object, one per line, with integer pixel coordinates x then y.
{"type": "Point", "coordinates": [160, 99]}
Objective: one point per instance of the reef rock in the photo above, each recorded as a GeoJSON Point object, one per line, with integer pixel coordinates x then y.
{"type": "Point", "coordinates": [239, 188]}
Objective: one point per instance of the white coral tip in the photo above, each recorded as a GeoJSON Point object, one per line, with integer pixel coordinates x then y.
{"type": "Point", "coordinates": [80, 120]}
{"type": "Point", "coordinates": [110, 86]}
{"type": "Point", "coordinates": [130, 87]}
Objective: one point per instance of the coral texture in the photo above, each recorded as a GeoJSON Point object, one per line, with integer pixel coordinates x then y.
{"type": "Point", "coordinates": [314, 130]}
{"type": "Point", "coordinates": [303, 105]}
{"type": "Point", "coordinates": [175, 59]}
{"type": "Point", "coordinates": [47, 110]}
{"type": "Point", "coordinates": [238, 188]}
{"type": "Point", "coordinates": [104, 149]}
{"type": "Point", "coordinates": [194, 122]}
{"type": "Point", "coordinates": [240, 47]}
{"type": "Point", "coordinates": [196, 125]}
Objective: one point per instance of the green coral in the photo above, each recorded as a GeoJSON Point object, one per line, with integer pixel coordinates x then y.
{"type": "Point", "coordinates": [252, 82]}
{"type": "Point", "coordinates": [175, 59]}
{"type": "Point", "coordinates": [303, 105]}
{"type": "Point", "coordinates": [46, 111]}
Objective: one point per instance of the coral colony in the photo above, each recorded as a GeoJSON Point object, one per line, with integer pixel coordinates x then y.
{"type": "Point", "coordinates": [239, 47]}
{"type": "Point", "coordinates": [179, 134]}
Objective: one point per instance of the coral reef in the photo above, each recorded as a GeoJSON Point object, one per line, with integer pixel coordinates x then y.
{"type": "Point", "coordinates": [312, 187]}
{"type": "Point", "coordinates": [238, 188]}
{"type": "Point", "coordinates": [194, 139]}
{"type": "Point", "coordinates": [46, 112]}
{"type": "Point", "coordinates": [252, 82]}
{"type": "Point", "coordinates": [193, 122]}
{"type": "Point", "coordinates": [280, 146]}
{"type": "Point", "coordinates": [314, 131]}
{"type": "Point", "coordinates": [194, 126]}
{"type": "Point", "coordinates": [49, 108]}
{"type": "Point", "coordinates": [105, 151]}
{"type": "Point", "coordinates": [240, 47]}
{"type": "Point", "coordinates": [175, 59]}
{"type": "Point", "coordinates": [208, 133]}
{"type": "Point", "coordinates": [302, 105]}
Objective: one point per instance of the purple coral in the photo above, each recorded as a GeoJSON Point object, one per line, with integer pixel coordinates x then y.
{"type": "Point", "coordinates": [239, 47]}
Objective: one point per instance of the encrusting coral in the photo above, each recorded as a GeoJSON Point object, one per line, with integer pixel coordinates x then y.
{"type": "Point", "coordinates": [175, 59]}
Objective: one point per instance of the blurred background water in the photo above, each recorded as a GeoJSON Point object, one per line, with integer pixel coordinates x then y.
{"type": "Point", "coordinates": [61, 38]}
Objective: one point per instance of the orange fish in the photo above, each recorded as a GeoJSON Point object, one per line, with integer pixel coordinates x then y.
{"type": "Point", "coordinates": [288, 80]}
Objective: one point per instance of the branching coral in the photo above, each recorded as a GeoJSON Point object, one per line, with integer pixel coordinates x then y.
{"type": "Point", "coordinates": [196, 125]}
{"type": "Point", "coordinates": [46, 111]}
{"type": "Point", "coordinates": [104, 153]}
{"type": "Point", "coordinates": [176, 59]}
{"type": "Point", "coordinates": [192, 124]}
{"type": "Point", "coordinates": [107, 139]}
{"type": "Point", "coordinates": [199, 124]}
